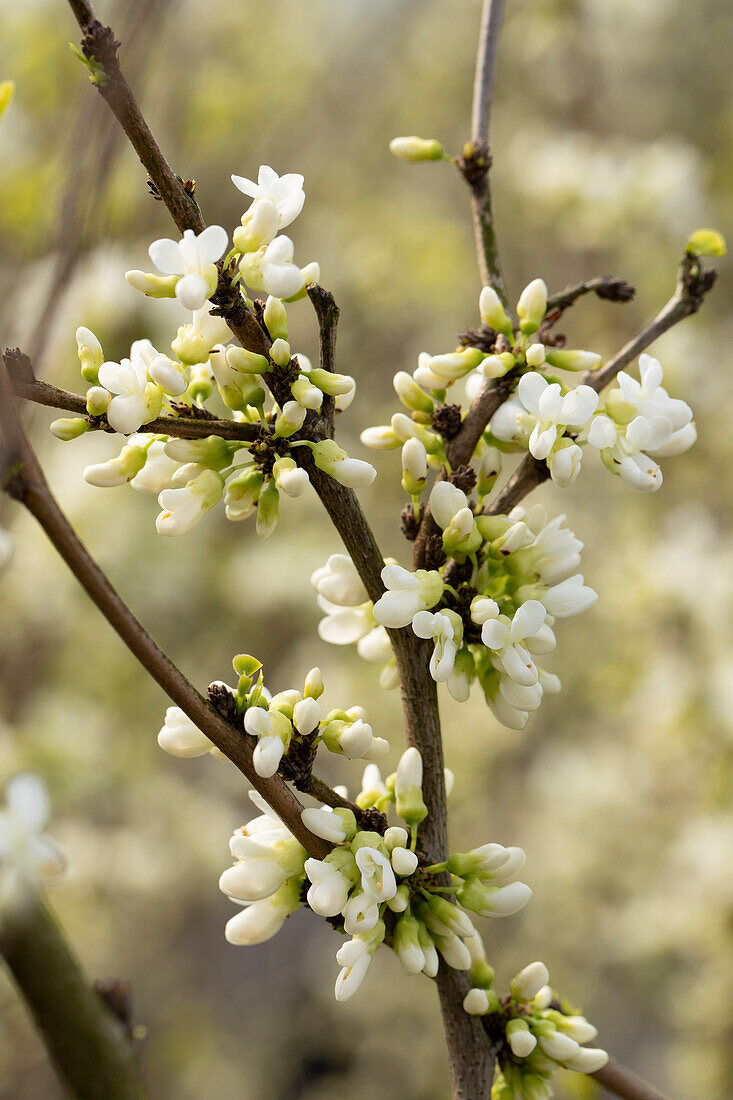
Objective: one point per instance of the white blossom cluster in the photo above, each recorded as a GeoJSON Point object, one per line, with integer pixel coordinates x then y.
{"type": "Point", "coordinates": [282, 724]}
{"type": "Point", "coordinates": [28, 857]}
{"type": "Point", "coordinates": [543, 415]}
{"type": "Point", "coordinates": [371, 881]}
{"type": "Point", "coordinates": [190, 476]}
{"type": "Point", "coordinates": [533, 1032]}
{"type": "Point", "coordinates": [519, 577]}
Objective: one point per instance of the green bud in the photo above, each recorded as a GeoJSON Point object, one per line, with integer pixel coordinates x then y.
{"type": "Point", "coordinates": [707, 242]}
{"type": "Point", "coordinates": [68, 428]}
{"type": "Point", "coordinates": [331, 384]}
{"type": "Point", "coordinates": [313, 687]}
{"type": "Point", "coordinates": [90, 354]}
{"type": "Point", "coordinates": [493, 313]}
{"type": "Point", "coordinates": [242, 361]}
{"type": "Point", "coordinates": [268, 509]}
{"type": "Point", "coordinates": [276, 318]}
{"type": "Point", "coordinates": [97, 400]}
{"type": "Point", "coordinates": [200, 388]}
{"type": "Point", "coordinates": [415, 149]}
{"type": "Point", "coordinates": [532, 306]}
{"type": "Point", "coordinates": [411, 395]}
{"type": "Point", "coordinates": [482, 976]}
{"type": "Point", "coordinates": [153, 286]}
{"type": "Point", "coordinates": [572, 360]}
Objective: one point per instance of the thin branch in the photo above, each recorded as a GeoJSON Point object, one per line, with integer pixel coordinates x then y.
{"type": "Point", "coordinates": [327, 313]}
{"type": "Point", "coordinates": [483, 84]}
{"type": "Point", "coordinates": [476, 161]}
{"type": "Point", "coordinates": [99, 43]}
{"type": "Point", "coordinates": [89, 1047]}
{"type": "Point", "coordinates": [22, 477]}
{"type": "Point", "coordinates": [607, 287]}
{"type": "Point", "coordinates": [184, 427]}
{"type": "Point", "coordinates": [616, 1078]}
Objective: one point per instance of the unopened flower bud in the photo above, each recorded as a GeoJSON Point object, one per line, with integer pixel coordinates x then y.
{"type": "Point", "coordinates": [280, 352]}
{"type": "Point", "coordinates": [314, 687]}
{"type": "Point", "coordinates": [489, 470]}
{"type": "Point", "coordinates": [290, 419]}
{"type": "Point", "coordinates": [414, 467]}
{"type": "Point", "coordinates": [154, 286]}
{"type": "Point", "coordinates": [90, 353]}
{"type": "Point", "coordinates": [276, 318]}
{"type": "Point", "coordinates": [97, 400]}
{"type": "Point", "coordinates": [532, 306]}
{"type": "Point", "coordinates": [410, 394]}
{"type": "Point", "coordinates": [564, 359]}
{"type": "Point", "coordinates": [242, 361]}
{"type": "Point", "coordinates": [69, 427]}
{"type": "Point", "coordinates": [493, 313]}
{"type": "Point", "coordinates": [414, 149]}
{"type": "Point", "coordinates": [408, 788]}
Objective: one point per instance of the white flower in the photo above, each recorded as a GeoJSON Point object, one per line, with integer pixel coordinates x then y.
{"type": "Point", "coordinates": [117, 471]}
{"type": "Point", "coordinates": [27, 855]}
{"type": "Point", "coordinates": [505, 638]}
{"type": "Point", "coordinates": [261, 920]}
{"type": "Point", "coordinates": [529, 981]}
{"type": "Point", "coordinates": [352, 472]}
{"type": "Point", "coordinates": [440, 627]}
{"type": "Point", "coordinates": [564, 463]}
{"type": "Point", "coordinates": [338, 582]}
{"type": "Point", "coordinates": [344, 625]}
{"type": "Point", "coordinates": [285, 191]}
{"type": "Point", "coordinates": [521, 1040]}
{"type": "Point", "coordinates": [194, 258]}
{"type": "Point", "coordinates": [407, 593]}
{"type": "Point", "coordinates": [157, 473]}
{"type": "Point", "coordinates": [377, 877]}
{"type": "Point", "coordinates": [551, 411]}
{"type": "Point", "coordinates": [354, 957]}
{"type": "Point", "coordinates": [271, 269]}
{"type": "Point", "coordinates": [306, 715]}
{"type": "Point", "coordinates": [134, 401]}
{"type": "Point", "coordinates": [289, 478]}
{"type": "Point", "coordinates": [273, 731]}
{"type": "Point", "coordinates": [183, 508]}
{"type": "Point", "coordinates": [587, 1060]}
{"type": "Point", "coordinates": [404, 861]}
{"type": "Point", "coordinates": [194, 343]}
{"type": "Point", "coordinates": [555, 550]}
{"type": "Point", "coordinates": [329, 888]}
{"type": "Point", "coordinates": [181, 737]}
{"type": "Point", "coordinates": [476, 1002]}
{"type": "Point", "coordinates": [361, 913]}
{"type": "Point", "coordinates": [324, 823]}
{"type": "Point", "coordinates": [446, 501]}
{"type": "Point", "coordinates": [623, 448]}
{"type": "Point", "coordinates": [649, 398]}
{"type": "Point", "coordinates": [570, 597]}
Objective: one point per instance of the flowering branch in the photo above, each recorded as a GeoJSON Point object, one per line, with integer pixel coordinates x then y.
{"type": "Point", "coordinates": [23, 479]}
{"type": "Point", "coordinates": [693, 284]}
{"type": "Point", "coordinates": [79, 1030]}
{"type": "Point", "coordinates": [30, 388]}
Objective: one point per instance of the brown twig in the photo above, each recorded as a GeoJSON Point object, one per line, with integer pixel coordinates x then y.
{"type": "Point", "coordinates": [89, 1047]}
{"type": "Point", "coordinates": [607, 287]}
{"type": "Point", "coordinates": [22, 478]}
{"type": "Point", "coordinates": [616, 1078]}
{"type": "Point", "coordinates": [476, 161]}
{"type": "Point", "coordinates": [327, 313]}
{"type": "Point", "coordinates": [184, 427]}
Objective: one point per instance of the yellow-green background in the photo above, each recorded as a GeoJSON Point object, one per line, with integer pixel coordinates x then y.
{"type": "Point", "coordinates": [613, 130]}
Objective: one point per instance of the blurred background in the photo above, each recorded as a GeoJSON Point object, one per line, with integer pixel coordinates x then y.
{"type": "Point", "coordinates": [613, 140]}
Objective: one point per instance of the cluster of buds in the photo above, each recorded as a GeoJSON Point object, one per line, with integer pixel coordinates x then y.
{"type": "Point", "coordinates": [372, 882]}
{"type": "Point", "coordinates": [287, 728]}
{"type": "Point", "coordinates": [532, 1032]}
{"type": "Point", "coordinates": [28, 857]}
{"type": "Point", "coordinates": [490, 609]}
{"type": "Point", "coordinates": [191, 476]}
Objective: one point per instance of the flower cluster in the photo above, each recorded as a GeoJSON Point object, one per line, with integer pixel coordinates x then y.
{"type": "Point", "coordinates": [190, 476]}
{"type": "Point", "coordinates": [371, 881]}
{"type": "Point", "coordinates": [490, 609]}
{"type": "Point", "coordinates": [27, 856]}
{"type": "Point", "coordinates": [533, 1033]}
{"type": "Point", "coordinates": [286, 728]}
{"type": "Point", "coordinates": [543, 415]}
{"type": "Point", "coordinates": [640, 419]}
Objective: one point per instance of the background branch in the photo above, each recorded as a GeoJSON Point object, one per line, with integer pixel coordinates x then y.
{"type": "Point", "coordinates": [87, 1044]}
